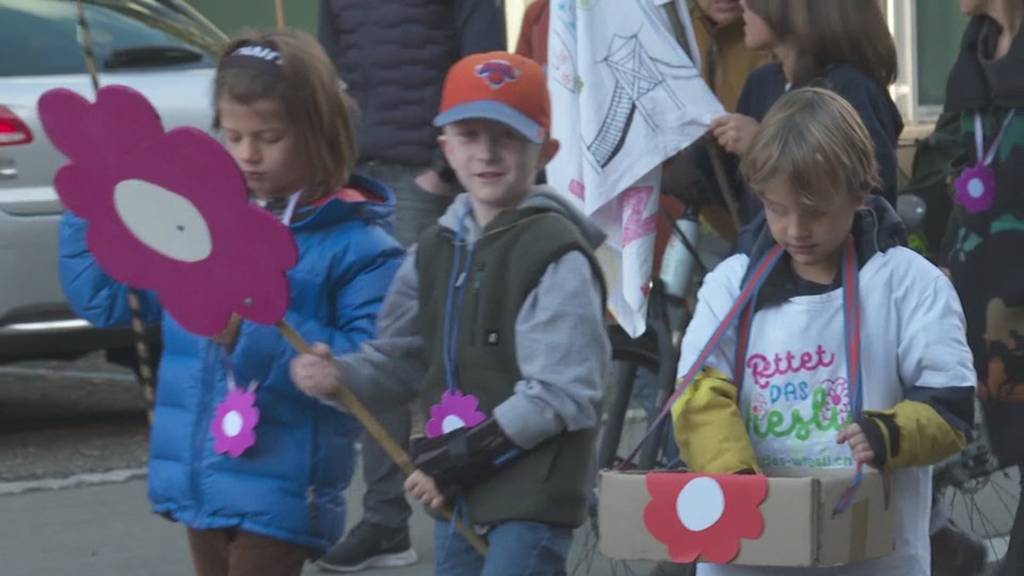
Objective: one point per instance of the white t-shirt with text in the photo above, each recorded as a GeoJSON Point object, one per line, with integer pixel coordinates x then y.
{"type": "Point", "coordinates": [795, 397]}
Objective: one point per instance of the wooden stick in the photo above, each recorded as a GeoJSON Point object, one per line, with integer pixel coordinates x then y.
{"type": "Point", "coordinates": [728, 194]}
{"type": "Point", "coordinates": [87, 51]}
{"type": "Point", "coordinates": [373, 426]}
{"type": "Point", "coordinates": [146, 377]}
{"type": "Point", "coordinates": [279, 7]}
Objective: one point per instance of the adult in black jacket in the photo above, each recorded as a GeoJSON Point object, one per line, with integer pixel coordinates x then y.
{"type": "Point", "coordinates": [393, 56]}
{"type": "Point", "coordinates": [986, 233]}
{"type": "Point", "coordinates": [842, 45]}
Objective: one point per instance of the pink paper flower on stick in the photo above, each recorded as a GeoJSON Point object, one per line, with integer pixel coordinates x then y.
{"type": "Point", "coordinates": [235, 422]}
{"type": "Point", "coordinates": [455, 410]}
{"type": "Point", "coordinates": [168, 212]}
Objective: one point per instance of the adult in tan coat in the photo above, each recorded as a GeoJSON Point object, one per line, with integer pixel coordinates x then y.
{"type": "Point", "coordinates": [725, 63]}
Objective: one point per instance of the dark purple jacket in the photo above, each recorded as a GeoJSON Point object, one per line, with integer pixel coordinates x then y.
{"type": "Point", "coordinates": [394, 54]}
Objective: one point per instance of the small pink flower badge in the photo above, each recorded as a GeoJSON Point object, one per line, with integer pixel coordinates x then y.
{"type": "Point", "coordinates": [837, 399]}
{"type": "Point", "coordinates": [976, 188]}
{"type": "Point", "coordinates": [759, 406]}
{"type": "Point", "coordinates": [168, 211]}
{"type": "Point", "coordinates": [455, 410]}
{"type": "Point", "coordinates": [234, 423]}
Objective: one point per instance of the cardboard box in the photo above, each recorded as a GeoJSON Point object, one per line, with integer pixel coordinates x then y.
{"type": "Point", "coordinates": [799, 529]}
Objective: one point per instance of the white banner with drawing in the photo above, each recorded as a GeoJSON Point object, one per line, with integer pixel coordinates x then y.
{"type": "Point", "coordinates": [625, 97]}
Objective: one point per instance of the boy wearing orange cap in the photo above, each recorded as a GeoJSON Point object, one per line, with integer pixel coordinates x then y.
{"type": "Point", "coordinates": [496, 320]}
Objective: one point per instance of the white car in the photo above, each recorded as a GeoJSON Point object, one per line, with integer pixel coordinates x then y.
{"type": "Point", "coordinates": [164, 49]}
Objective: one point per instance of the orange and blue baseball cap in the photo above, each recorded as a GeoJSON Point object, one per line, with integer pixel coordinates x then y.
{"type": "Point", "coordinates": [499, 86]}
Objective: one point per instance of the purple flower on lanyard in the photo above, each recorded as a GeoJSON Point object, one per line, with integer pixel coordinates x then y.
{"type": "Point", "coordinates": [976, 188]}
{"type": "Point", "coordinates": [455, 410]}
{"type": "Point", "coordinates": [235, 422]}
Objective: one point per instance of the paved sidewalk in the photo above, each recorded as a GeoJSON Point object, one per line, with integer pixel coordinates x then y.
{"type": "Point", "coordinates": [107, 530]}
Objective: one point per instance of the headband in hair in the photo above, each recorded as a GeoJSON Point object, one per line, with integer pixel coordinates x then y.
{"type": "Point", "coordinates": [254, 55]}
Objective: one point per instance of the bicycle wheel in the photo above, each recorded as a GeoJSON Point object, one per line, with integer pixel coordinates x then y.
{"type": "Point", "coordinates": [978, 494]}
{"type": "Point", "coordinates": [631, 399]}
{"type": "Point", "coordinates": [616, 415]}
{"type": "Point", "coordinates": [623, 424]}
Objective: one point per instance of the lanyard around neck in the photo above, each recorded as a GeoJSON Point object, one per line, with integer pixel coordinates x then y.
{"type": "Point", "coordinates": [985, 158]}
{"type": "Point", "coordinates": [289, 211]}
{"type": "Point", "coordinates": [851, 340]}
{"type": "Point", "coordinates": [752, 285]}
{"type": "Point", "coordinates": [851, 329]}
{"type": "Point", "coordinates": [744, 307]}
{"type": "Point", "coordinates": [453, 304]}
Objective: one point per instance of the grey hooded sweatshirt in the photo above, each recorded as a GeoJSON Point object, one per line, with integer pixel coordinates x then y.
{"type": "Point", "coordinates": [561, 339]}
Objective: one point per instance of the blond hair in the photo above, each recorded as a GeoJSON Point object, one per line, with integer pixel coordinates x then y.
{"type": "Point", "coordinates": [814, 140]}
{"type": "Point", "coordinates": [312, 96]}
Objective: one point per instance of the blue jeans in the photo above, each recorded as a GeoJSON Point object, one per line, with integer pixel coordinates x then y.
{"type": "Point", "coordinates": [515, 549]}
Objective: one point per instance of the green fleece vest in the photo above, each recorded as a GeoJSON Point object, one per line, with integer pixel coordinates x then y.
{"type": "Point", "coordinates": [549, 484]}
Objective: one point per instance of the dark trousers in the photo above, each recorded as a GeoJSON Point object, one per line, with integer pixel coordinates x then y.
{"type": "Point", "coordinates": [1013, 562]}
{"type": "Point", "coordinates": [384, 502]}
{"type": "Point", "coordinates": [233, 552]}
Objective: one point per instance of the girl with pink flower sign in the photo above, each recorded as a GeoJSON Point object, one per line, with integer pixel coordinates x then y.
{"type": "Point", "coordinates": [253, 467]}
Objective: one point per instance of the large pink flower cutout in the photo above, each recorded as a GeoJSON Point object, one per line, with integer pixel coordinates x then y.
{"type": "Point", "coordinates": [976, 188]}
{"type": "Point", "coordinates": [704, 515]}
{"type": "Point", "coordinates": [455, 410]}
{"type": "Point", "coordinates": [168, 212]}
{"type": "Point", "coordinates": [234, 423]}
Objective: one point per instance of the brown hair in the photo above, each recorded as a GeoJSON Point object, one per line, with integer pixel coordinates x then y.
{"type": "Point", "coordinates": [828, 32]}
{"type": "Point", "coordinates": [308, 88]}
{"type": "Point", "coordinates": [814, 139]}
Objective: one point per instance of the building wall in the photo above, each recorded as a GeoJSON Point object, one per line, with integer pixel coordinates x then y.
{"type": "Point", "coordinates": [938, 29]}
{"type": "Point", "coordinates": [232, 16]}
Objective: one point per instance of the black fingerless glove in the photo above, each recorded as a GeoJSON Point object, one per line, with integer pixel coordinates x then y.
{"type": "Point", "coordinates": [465, 457]}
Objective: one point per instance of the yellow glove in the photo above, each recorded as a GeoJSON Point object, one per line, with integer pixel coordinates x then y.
{"type": "Point", "coordinates": [910, 434]}
{"type": "Point", "coordinates": [709, 429]}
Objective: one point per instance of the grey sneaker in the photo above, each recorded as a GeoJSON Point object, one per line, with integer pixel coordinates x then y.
{"type": "Point", "coordinates": [369, 546]}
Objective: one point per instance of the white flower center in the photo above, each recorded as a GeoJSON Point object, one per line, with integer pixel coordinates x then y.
{"type": "Point", "coordinates": [232, 424]}
{"type": "Point", "coordinates": [700, 504]}
{"type": "Point", "coordinates": [451, 422]}
{"type": "Point", "coordinates": [975, 187]}
{"type": "Point", "coordinates": [167, 222]}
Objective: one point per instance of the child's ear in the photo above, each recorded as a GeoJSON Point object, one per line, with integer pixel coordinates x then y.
{"type": "Point", "coordinates": [547, 151]}
{"type": "Point", "coordinates": [442, 141]}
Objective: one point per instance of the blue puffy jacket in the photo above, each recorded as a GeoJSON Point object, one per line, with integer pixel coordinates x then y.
{"type": "Point", "coordinates": [290, 484]}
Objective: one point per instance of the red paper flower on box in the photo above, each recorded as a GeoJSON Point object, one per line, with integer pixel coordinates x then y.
{"type": "Point", "coordinates": [168, 212]}
{"type": "Point", "coordinates": [704, 516]}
